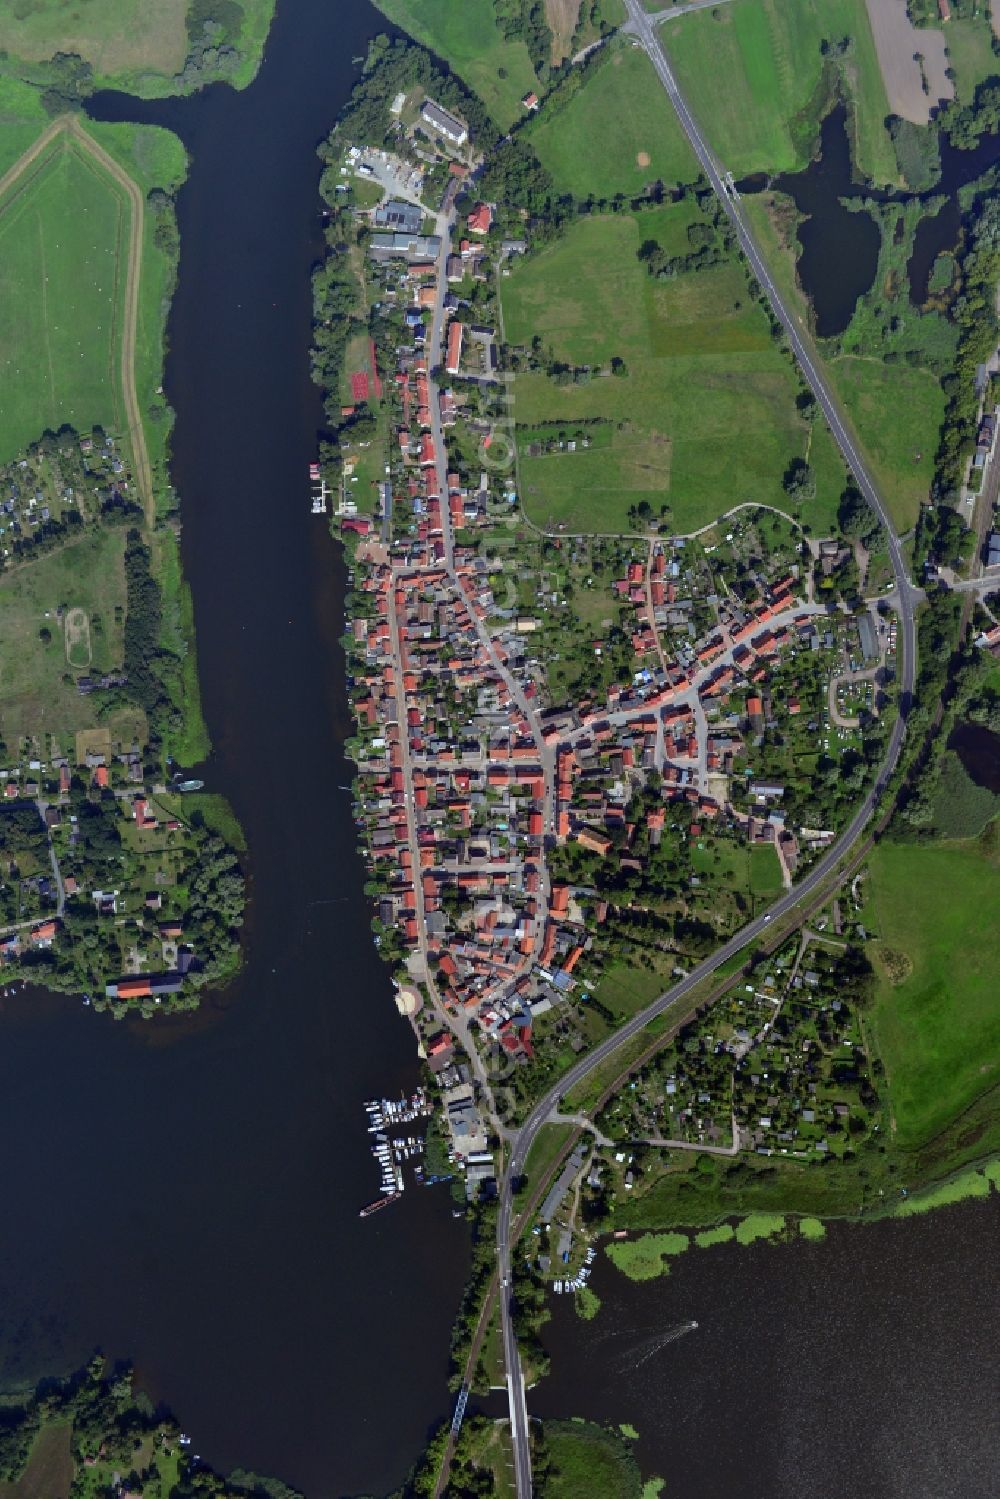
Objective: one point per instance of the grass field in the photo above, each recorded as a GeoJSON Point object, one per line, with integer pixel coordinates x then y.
{"type": "Point", "coordinates": [768, 54]}
{"type": "Point", "coordinates": [970, 53]}
{"type": "Point", "coordinates": [467, 37]}
{"type": "Point", "coordinates": [130, 44]}
{"type": "Point", "coordinates": [87, 574]}
{"type": "Point", "coordinates": [615, 135]}
{"type": "Point", "coordinates": [900, 450]}
{"type": "Point", "coordinates": [114, 36]}
{"type": "Point", "coordinates": [22, 119]}
{"type": "Point", "coordinates": [897, 412]}
{"type": "Point", "coordinates": [587, 1462]}
{"type": "Point", "coordinates": [703, 420]}
{"type": "Point", "coordinates": [938, 1027]}
{"type": "Point", "coordinates": [63, 238]}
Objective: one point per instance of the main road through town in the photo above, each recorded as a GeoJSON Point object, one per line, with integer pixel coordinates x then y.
{"type": "Point", "coordinates": [640, 26]}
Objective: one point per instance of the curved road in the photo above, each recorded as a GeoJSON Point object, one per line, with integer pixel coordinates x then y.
{"type": "Point", "coordinates": [639, 25]}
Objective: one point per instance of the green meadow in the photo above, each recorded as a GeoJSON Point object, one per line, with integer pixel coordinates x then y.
{"type": "Point", "coordinates": [63, 239]}
{"type": "Point", "coordinates": [751, 73]}
{"type": "Point", "coordinates": [614, 135]}
{"type": "Point", "coordinates": [897, 411]}
{"type": "Point", "coordinates": [938, 1025]}
{"type": "Point", "coordinates": [137, 45]}
{"type": "Point", "coordinates": [37, 688]}
{"type": "Point", "coordinates": [467, 36]}
{"type": "Point", "coordinates": [704, 419]}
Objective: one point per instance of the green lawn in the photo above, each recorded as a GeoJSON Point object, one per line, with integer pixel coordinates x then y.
{"type": "Point", "coordinates": [749, 70]}
{"type": "Point", "coordinates": [938, 1030]}
{"type": "Point", "coordinates": [625, 989]}
{"type": "Point", "coordinates": [615, 135]}
{"type": "Point", "coordinates": [765, 871]}
{"type": "Point", "coordinates": [63, 238]}
{"type": "Point", "coordinates": [705, 417]}
{"type": "Point", "coordinates": [467, 37]}
{"type": "Point", "coordinates": [87, 574]}
{"type": "Point", "coordinates": [897, 412]}
{"type": "Point", "coordinates": [970, 53]}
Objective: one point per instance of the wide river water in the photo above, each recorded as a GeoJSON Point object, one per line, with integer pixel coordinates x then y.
{"type": "Point", "coordinates": [186, 1193]}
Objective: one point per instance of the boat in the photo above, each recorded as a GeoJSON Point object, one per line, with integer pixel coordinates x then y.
{"type": "Point", "coordinates": [188, 785]}
{"type": "Point", "coordinates": [380, 1202]}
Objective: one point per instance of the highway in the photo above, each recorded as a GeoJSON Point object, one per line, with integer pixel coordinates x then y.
{"type": "Point", "coordinates": [640, 25]}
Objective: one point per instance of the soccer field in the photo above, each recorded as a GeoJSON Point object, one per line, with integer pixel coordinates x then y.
{"type": "Point", "coordinates": [63, 238]}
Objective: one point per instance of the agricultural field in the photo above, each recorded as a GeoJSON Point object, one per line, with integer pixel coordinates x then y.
{"type": "Point", "coordinates": [43, 653]}
{"type": "Point", "coordinates": [616, 134]}
{"type": "Point", "coordinates": [937, 913]}
{"type": "Point", "coordinates": [63, 239]}
{"type": "Point", "coordinates": [468, 37]}
{"type": "Point", "coordinates": [703, 417]}
{"type": "Point", "coordinates": [768, 53]}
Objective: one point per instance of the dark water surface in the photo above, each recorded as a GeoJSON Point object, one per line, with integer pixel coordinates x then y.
{"type": "Point", "coordinates": [839, 248]}
{"type": "Point", "coordinates": [863, 1367]}
{"type": "Point", "coordinates": [186, 1194]}
{"type": "Point", "coordinates": [978, 748]}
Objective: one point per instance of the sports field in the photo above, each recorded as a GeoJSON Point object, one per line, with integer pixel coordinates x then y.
{"type": "Point", "coordinates": [466, 35]}
{"type": "Point", "coordinates": [703, 420]}
{"type": "Point", "coordinates": [750, 71]}
{"type": "Point", "coordinates": [938, 1027]}
{"type": "Point", "coordinates": [63, 241]}
{"type": "Point", "coordinates": [614, 135]}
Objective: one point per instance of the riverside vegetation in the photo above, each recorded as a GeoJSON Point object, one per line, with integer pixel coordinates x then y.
{"type": "Point", "coordinates": [108, 882]}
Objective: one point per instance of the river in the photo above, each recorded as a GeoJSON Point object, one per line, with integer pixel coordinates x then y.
{"type": "Point", "coordinates": [185, 1193]}
{"type": "Point", "coordinates": [863, 1365]}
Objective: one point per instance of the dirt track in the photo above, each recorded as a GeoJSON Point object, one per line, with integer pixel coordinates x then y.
{"type": "Point", "coordinates": [133, 270]}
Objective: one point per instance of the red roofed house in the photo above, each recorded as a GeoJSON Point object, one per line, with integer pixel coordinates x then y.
{"type": "Point", "coordinates": [453, 358]}
{"type": "Point", "coordinates": [481, 219]}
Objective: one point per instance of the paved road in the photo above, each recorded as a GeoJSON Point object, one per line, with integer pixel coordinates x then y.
{"type": "Point", "coordinates": [639, 24]}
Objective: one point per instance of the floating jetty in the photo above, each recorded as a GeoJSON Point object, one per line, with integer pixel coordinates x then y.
{"type": "Point", "coordinates": [380, 1202]}
{"type": "Point", "coordinates": [319, 490]}
{"type": "Point", "coordinates": [392, 1150]}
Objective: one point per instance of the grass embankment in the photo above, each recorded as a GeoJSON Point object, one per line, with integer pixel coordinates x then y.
{"type": "Point", "coordinates": [616, 134]}
{"type": "Point", "coordinates": [752, 71]}
{"type": "Point", "coordinates": [131, 45]}
{"type": "Point", "coordinates": [936, 1020]}
{"type": "Point", "coordinates": [468, 38]}
{"type": "Point", "coordinates": [704, 417]}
